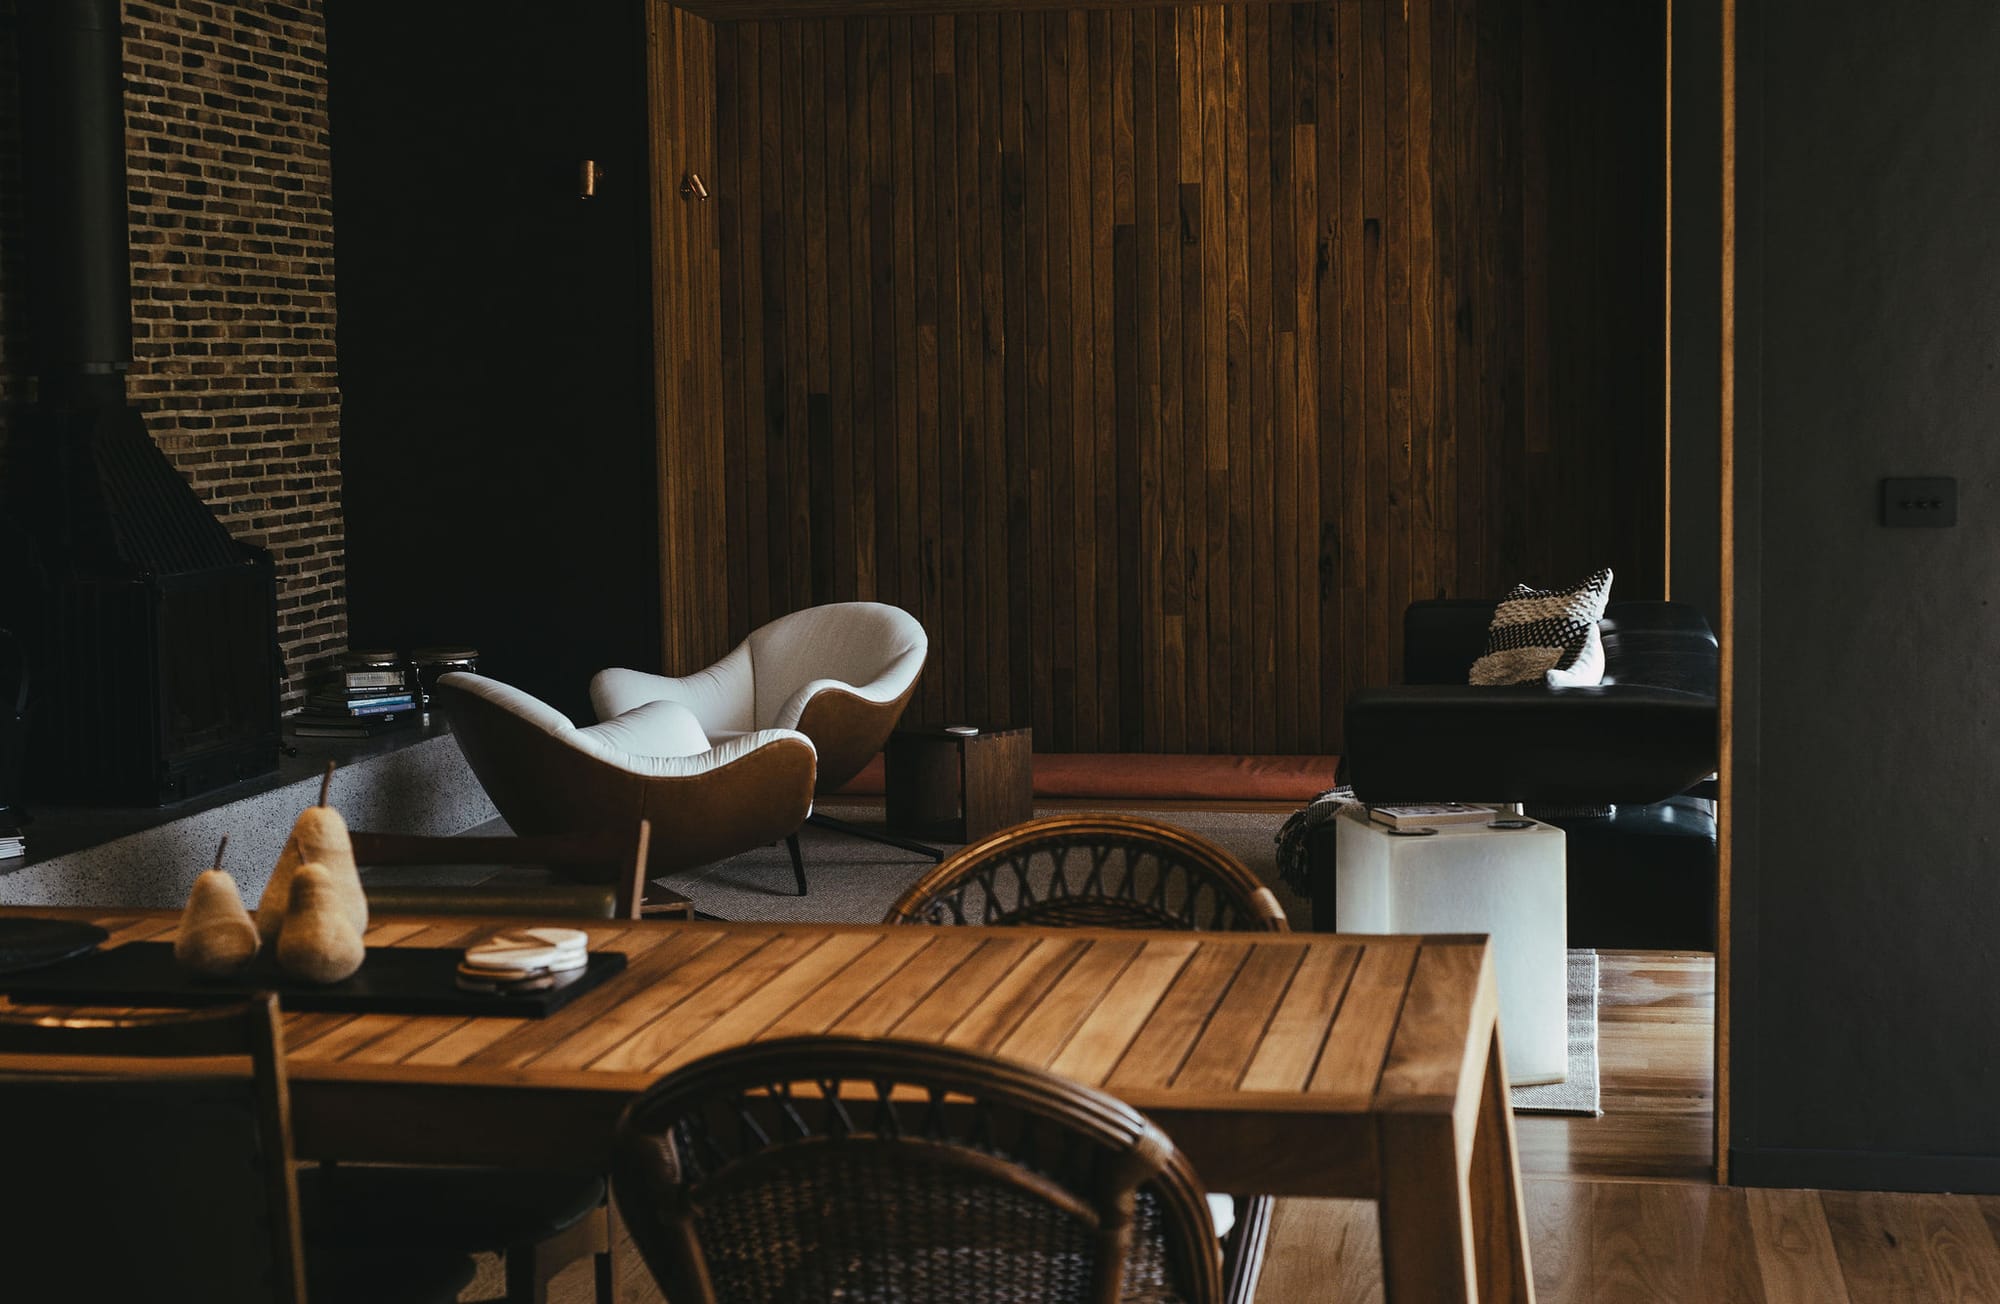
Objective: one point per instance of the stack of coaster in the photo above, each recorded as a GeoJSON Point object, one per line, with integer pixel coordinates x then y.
{"type": "Point", "coordinates": [524, 960]}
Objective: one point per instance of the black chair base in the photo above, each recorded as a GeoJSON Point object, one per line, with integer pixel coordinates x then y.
{"type": "Point", "coordinates": [831, 824]}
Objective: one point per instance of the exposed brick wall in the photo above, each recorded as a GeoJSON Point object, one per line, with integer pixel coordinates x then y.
{"type": "Point", "coordinates": [232, 284]}
{"type": "Point", "coordinates": [230, 178]}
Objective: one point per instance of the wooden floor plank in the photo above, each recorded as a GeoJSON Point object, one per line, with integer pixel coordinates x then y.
{"type": "Point", "coordinates": [1795, 1254]}
{"type": "Point", "coordinates": [1913, 1247]}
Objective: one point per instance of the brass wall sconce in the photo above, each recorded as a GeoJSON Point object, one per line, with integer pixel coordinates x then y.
{"type": "Point", "coordinates": [588, 175]}
{"type": "Point", "coordinates": [691, 187]}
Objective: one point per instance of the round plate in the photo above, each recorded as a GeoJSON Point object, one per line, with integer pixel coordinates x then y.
{"type": "Point", "coordinates": [1511, 824]}
{"type": "Point", "coordinates": [32, 943]}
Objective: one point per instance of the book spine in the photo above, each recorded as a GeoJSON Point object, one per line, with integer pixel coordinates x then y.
{"type": "Point", "coordinates": [378, 702]}
{"type": "Point", "coordinates": [390, 707]}
{"type": "Point", "coordinates": [375, 679]}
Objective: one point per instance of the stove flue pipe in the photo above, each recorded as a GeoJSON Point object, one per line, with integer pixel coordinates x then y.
{"type": "Point", "coordinates": [79, 275]}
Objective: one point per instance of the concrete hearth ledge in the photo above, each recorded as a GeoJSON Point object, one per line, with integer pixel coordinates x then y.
{"type": "Point", "coordinates": [420, 786]}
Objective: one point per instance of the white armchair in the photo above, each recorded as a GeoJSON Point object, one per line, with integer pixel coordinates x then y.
{"type": "Point", "coordinates": [840, 674]}
{"type": "Point", "coordinates": [707, 799]}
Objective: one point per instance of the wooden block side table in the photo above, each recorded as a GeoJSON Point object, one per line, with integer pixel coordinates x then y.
{"type": "Point", "coordinates": [958, 787]}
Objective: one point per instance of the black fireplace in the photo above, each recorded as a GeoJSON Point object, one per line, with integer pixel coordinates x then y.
{"type": "Point", "coordinates": [151, 634]}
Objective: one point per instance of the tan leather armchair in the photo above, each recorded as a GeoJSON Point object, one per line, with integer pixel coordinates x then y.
{"type": "Point", "coordinates": [706, 801]}
{"type": "Point", "coordinates": [840, 674]}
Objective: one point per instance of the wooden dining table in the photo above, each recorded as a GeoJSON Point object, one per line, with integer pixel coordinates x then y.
{"type": "Point", "coordinates": [1306, 1064]}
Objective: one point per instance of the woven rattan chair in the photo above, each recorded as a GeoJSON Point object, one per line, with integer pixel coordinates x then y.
{"type": "Point", "coordinates": [126, 1181]}
{"type": "Point", "coordinates": [835, 1168]}
{"type": "Point", "coordinates": [1110, 871]}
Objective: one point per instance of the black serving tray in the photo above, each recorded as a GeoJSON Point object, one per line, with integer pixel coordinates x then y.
{"type": "Point", "coordinates": [30, 943]}
{"type": "Point", "coordinates": [393, 980]}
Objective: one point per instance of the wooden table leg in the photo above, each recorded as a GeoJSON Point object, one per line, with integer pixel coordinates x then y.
{"type": "Point", "coordinates": [1454, 1227]}
{"type": "Point", "coordinates": [1500, 1226]}
{"type": "Point", "coordinates": [1426, 1213]}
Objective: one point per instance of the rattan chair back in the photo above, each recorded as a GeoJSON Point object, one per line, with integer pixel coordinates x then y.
{"type": "Point", "coordinates": [1093, 871]}
{"type": "Point", "coordinates": [824, 1168]}
{"type": "Point", "coordinates": [144, 1184]}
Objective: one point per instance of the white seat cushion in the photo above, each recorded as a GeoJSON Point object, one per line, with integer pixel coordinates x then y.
{"type": "Point", "coordinates": [655, 729]}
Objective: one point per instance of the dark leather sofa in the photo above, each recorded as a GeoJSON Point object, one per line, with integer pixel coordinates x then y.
{"type": "Point", "coordinates": [1644, 741]}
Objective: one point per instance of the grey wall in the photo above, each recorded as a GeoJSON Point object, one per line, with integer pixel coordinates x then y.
{"type": "Point", "coordinates": [1866, 1048]}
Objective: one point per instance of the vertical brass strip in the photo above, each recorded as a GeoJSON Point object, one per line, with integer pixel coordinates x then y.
{"type": "Point", "coordinates": [1727, 696]}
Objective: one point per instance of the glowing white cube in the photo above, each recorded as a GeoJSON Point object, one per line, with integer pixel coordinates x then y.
{"type": "Point", "coordinates": [1467, 878]}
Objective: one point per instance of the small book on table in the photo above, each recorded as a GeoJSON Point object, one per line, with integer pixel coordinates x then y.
{"type": "Point", "coordinates": [1436, 814]}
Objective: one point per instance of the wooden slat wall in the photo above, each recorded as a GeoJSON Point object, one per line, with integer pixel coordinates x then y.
{"type": "Point", "coordinates": [1156, 358]}
{"type": "Point", "coordinates": [688, 301]}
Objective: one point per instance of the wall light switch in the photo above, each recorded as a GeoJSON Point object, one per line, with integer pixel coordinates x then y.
{"type": "Point", "coordinates": [1928, 501]}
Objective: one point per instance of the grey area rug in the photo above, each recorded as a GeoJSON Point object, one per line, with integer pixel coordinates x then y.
{"type": "Point", "coordinates": [854, 881]}
{"type": "Point", "coordinates": [1578, 1093]}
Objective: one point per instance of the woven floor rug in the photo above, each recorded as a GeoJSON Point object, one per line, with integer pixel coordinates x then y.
{"type": "Point", "coordinates": [1578, 1093]}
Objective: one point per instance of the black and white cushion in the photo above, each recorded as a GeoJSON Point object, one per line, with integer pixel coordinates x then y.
{"type": "Point", "coordinates": [1547, 634]}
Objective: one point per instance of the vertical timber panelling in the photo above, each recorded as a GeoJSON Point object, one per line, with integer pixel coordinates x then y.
{"type": "Point", "coordinates": [1157, 358]}
{"type": "Point", "coordinates": [693, 305]}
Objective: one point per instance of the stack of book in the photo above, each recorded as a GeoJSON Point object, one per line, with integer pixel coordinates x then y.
{"type": "Point", "coordinates": [12, 844]}
{"type": "Point", "coordinates": [358, 704]}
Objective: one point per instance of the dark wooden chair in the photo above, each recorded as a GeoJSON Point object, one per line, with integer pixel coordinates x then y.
{"type": "Point", "coordinates": [599, 875]}
{"type": "Point", "coordinates": [137, 1166]}
{"type": "Point", "coordinates": [823, 1168]}
{"type": "Point", "coordinates": [1109, 871]}
{"type": "Point", "coordinates": [539, 1223]}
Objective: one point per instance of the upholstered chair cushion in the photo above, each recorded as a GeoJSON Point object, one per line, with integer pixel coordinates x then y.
{"type": "Point", "coordinates": [655, 729]}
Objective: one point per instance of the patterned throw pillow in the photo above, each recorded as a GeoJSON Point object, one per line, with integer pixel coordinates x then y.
{"type": "Point", "coordinates": [1546, 634]}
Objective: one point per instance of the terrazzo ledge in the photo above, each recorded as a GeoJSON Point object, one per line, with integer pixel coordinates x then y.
{"type": "Point", "coordinates": [419, 783]}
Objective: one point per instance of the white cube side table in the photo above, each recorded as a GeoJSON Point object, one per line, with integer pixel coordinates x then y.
{"type": "Point", "coordinates": [1467, 878]}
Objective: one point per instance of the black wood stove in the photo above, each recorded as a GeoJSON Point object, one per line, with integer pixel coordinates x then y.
{"type": "Point", "coordinates": [151, 634]}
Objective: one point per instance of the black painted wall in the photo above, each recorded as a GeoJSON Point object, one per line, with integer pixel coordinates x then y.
{"type": "Point", "coordinates": [495, 333]}
{"type": "Point", "coordinates": [1866, 1047]}
{"type": "Point", "coordinates": [1695, 433]}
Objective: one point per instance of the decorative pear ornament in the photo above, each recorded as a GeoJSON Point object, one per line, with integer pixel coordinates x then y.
{"type": "Point", "coordinates": [319, 836]}
{"type": "Point", "coordinates": [319, 942]}
{"type": "Point", "coordinates": [217, 936]}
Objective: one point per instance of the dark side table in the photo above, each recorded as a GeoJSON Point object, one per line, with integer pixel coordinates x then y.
{"type": "Point", "coordinates": [958, 787]}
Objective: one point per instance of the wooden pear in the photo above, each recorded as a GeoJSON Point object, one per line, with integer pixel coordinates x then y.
{"type": "Point", "coordinates": [319, 943]}
{"type": "Point", "coordinates": [217, 936]}
{"type": "Point", "coordinates": [319, 836]}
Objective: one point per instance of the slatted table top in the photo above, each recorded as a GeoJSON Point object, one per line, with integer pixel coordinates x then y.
{"type": "Point", "coordinates": [1209, 1031]}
